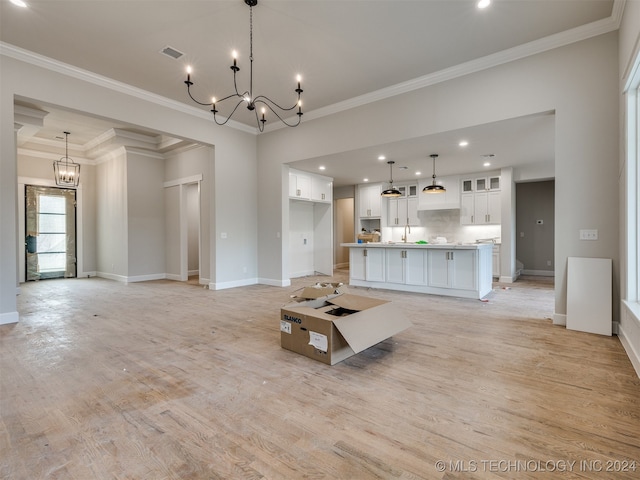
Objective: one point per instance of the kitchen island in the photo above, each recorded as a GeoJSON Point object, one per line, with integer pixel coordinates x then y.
{"type": "Point", "coordinates": [441, 269]}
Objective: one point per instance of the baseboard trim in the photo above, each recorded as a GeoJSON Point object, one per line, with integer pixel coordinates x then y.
{"type": "Point", "coordinates": [560, 319]}
{"type": "Point", "coordinates": [275, 283]}
{"type": "Point", "coordinates": [539, 273]}
{"type": "Point", "coordinates": [629, 332]}
{"type": "Point", "coordinates": [236, 283]}
{"type": "Point", "coordinates": [9, 317]}
{"type": "Point", "coordinates": [134, 279]}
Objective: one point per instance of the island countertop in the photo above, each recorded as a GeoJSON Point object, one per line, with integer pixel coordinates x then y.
{"type": "Point", "coordinates": [446, 246]}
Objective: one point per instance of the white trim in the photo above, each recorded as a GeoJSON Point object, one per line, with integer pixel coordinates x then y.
{"type": "Point", "coordinates": [112, 276]}
{"type": "Point", "coordinates": [183, 181]}
{"type": "Point", "coordinates": [508, 279]}
{"type": "Point", "coordinates": [174, 277]}
{"type": "Point", "coordinates": [274, 283]}
{"type": "Point", "coordinates": [629, 332]}
{"type": "Point", "coordinates": [541, 45]}
{"type": "Point", "coordinates": [27, 152]}
{"type": "Point", "coordinates": [9, 317]}
{"type": "Point", "coordinates": [540, 273]}
{"type": "Point", "coordinates": [550, 42]}
{"type": "Point", "coordinates": [560, 319]}
{"type": "Point", "coordinates": [236, 283]}
{"type": "Point", "coordinates": [38, 60]}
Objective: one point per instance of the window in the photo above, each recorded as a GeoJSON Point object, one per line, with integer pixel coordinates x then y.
{"type": "Point", "coordinates": [632, 200]}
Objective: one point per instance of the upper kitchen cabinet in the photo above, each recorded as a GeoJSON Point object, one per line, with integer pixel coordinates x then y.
{"type": "Point", "coordinates": [480, 183]}
{"type": "Point", "coordinates": [480, 208]}
{"type": "Point", "coordinates": [307, 186]}
{"type": "Point", "coordinates": [369, 201]}
{"type": "Point", "coordinates": [450, 199]}
{"type": "Point", "coordinates": [403, 211]}
{"type": "Point", "coordinates": [299, 185]}
{"type": "Point", "coordinates": [321, 188]}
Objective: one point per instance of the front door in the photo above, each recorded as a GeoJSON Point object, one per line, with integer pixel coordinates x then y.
{"type": "Point", "coordinates": [50, 236]}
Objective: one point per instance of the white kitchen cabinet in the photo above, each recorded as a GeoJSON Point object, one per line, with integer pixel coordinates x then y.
{"type": "Point", "coordinates": [496, 261]}
{"type": "Point", "coordinates": [452, 269]}
{"type": "Point", "coordinates": [450, 199]}
{"type": "Point", "coordinates": [321, 188]}
{"type": "Point", "coordinates": [406, 266]}
{"type": "Point", "coordinates": [461, 270]}
{"type": "Point", "coordinates": [367, 264]}
{"type": "Point", "coordinates": [369, 201]}
{"type": "Point", "coordinates": [403, 211]}
{"type": "Point", "coordinates": [299, 185]}
{"type": "Point", "coordinates": [480, 183]}
{"type": "Point", "coordinates": [480, 208]}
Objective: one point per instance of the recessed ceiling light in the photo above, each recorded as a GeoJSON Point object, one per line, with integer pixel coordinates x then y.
{"type": "Point", "coordinates": [463, 143]}
{"type": "Point", "coordinates": [322, 167]}
{"type": "Point", "coordinates": [487, 164]}
{"type": "Point", "coordinates": [382, 157]}
{"type": "Point", "coordinates": [483, 3]}
{"type": "Point", "coordinates": [19, 3]}
{"type": "Point", "coordinates": [365, 179]}
{"type": "Point", "coordinates": [418, 174]}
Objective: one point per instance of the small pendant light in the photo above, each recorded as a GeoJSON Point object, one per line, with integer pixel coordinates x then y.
{"type": "Point", "coordinates": [391, 191]}
{"type": "Point", "coordinates": [65, 171]}
{"type": "Point", "coordinates": [434, 188]}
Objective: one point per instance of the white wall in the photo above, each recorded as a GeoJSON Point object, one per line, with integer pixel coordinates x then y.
{"type": "Point", "coordinates": [112, 257]}
{"type": "Point", "coordinates": [145, 214]}
{"type": "Point", "coordinates": [578, 82]}
{"type": "Point", "coordinates": [30, 77]}
{"type": "Point", "coordinates": [183, 166]}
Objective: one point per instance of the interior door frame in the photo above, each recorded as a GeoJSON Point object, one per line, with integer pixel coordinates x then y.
{"type": "Point", "coordinates": [41, 182]}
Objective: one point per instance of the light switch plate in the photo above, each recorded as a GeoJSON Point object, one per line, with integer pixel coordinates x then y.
{"type": "Point", "coordinates": [589, 234]}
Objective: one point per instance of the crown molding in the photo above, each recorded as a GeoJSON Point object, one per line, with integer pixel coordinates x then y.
{"type": "Point", "coordinates": [27, 152]}
{"type": "Point", "coordinates": [17, 53]}
{"type": "Point", "coordinates": [545, 44]}
{"type": "Point", "coordinates": [550, 42]}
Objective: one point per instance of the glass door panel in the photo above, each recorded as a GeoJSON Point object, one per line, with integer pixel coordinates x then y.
{"type": "Point", "coordinates": [50, 236]}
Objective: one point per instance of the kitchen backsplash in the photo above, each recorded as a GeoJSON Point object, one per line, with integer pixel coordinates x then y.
{"type": "Point", "coordinates": [441, 223]}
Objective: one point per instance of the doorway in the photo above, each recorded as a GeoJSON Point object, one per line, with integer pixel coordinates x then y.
{"type": "Point", "coordinates": [50, 232]}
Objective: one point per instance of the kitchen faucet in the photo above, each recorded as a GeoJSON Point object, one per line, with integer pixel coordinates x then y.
{"type": "Point", "coordinates": [404, 237]}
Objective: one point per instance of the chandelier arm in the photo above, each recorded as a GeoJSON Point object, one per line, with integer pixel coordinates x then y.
{"type": "Point", "coordinates": [192, 98]}
{"type": "Point", "coordinates": [228, 116]}
{"type": "Point", "coordinates": [279, 117]}
{"type": "Point", "coordinates": [267, 101]}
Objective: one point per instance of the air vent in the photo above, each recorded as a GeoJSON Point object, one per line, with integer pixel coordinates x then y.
{"type": "Point", "coordinates": [171, 52]}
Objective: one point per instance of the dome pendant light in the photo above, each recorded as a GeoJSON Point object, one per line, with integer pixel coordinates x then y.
{"type": "Point", "coordinates": [391, 191]}
{"type": "Point", "coordinates": [434, 188]}
{"type": "Point", "coordinates": [65, 171]}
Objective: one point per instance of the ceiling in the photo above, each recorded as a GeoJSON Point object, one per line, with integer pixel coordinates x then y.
{"type": "Point", "coordinates": [343, 50]}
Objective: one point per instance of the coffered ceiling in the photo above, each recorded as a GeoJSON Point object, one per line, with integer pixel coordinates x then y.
{"type": "Point", "coordinates": [344, 50]}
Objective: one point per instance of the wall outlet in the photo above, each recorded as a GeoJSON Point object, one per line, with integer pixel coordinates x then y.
{"type": "Point", "coordinates": [548, 263]}
{"type": "Point", "coordinates": [223, 235]}
{"type": "Point", "coordinates": [589, 234]}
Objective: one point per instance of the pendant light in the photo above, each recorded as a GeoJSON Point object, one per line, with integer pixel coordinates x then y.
{"type": "Point", "coordinates": [391, 191]}
{"type": "Point", "coordinates": [434, 188]}
{"type": "Point", "coordinates": [65, 171]}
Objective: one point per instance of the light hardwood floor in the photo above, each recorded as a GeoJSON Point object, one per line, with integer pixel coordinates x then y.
{"type": "Point", "coordinates": [167, 380]}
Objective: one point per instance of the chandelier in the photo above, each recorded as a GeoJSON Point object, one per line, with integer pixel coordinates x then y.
{"type": "Point", "coordinates": [65, 171]}
{"type": "Point", "coordinates": [252, 102]}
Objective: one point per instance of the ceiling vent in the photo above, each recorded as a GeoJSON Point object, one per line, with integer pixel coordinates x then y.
{"type": "Point", "coordinates": [171, 52]}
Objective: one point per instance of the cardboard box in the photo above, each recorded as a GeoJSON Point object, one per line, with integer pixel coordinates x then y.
{"type": "Point", "coordinates": [319, 290]}
{"type": "Point", "coordinates": [335, 327]}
